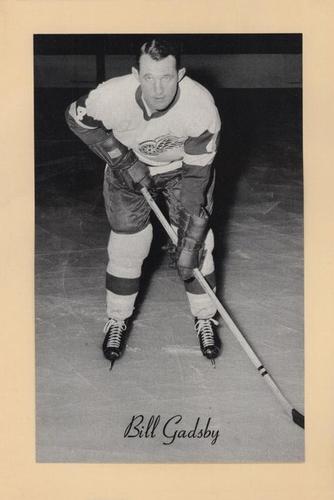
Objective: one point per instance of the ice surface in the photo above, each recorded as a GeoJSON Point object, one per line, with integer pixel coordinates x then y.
{"type": "Point", "coordinates": [83, 409]}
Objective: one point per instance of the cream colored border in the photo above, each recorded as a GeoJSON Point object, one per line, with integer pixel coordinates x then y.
{"type": "Point", "coordinates": [21, 477]}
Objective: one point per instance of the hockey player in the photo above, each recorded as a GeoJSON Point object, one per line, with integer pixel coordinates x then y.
{"type": "Point", "coordinates": [159, 129]}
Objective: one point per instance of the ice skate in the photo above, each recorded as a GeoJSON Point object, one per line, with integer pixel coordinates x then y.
{"type": "Point", "coordinates": [208, 338]}
{"type": "Point", "coordinates": [115, 339]}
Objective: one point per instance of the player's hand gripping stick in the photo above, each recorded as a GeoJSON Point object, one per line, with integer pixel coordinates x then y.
{"type": "Point", "coordinates": [297, 417]}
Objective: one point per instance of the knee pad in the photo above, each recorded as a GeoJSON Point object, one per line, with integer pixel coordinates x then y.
{"type": "Point", "coordinates": [128, 251]}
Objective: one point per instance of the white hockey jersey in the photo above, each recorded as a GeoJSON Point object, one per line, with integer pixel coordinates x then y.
{"type": "Point", "coordinates": [182, 137]}
{"type": "Point", "coordinates": [185, 133]}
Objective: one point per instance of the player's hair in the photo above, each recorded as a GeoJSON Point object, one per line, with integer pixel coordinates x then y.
{"type": "Point", "coordinates": [158, 48]}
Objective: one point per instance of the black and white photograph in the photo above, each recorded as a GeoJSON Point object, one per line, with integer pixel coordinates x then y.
{"type": "Point", "coordinates": [169, 248]}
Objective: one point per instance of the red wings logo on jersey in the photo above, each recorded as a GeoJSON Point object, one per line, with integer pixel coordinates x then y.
{"type": "Point", "coordinates": [161, 144]}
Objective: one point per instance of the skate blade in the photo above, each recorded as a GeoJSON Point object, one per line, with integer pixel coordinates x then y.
{"type": "Point", "coordinates": [213, 362]}
{"type": "Point", "coordinates": [111, 364]}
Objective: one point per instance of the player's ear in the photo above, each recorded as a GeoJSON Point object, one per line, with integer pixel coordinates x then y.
{"type": "Point", "coordinates": [180, 74]}
{"type": "Point", "coordinates": [135, 73]}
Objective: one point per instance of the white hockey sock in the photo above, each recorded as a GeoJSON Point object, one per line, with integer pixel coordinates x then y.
{"type": "Point", "coordinates": [126, 255]}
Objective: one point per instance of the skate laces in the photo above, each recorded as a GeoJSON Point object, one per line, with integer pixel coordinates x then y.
{"type": "Point", "coordinates": [114, 328]}
{"type": "Point", "coordinates": [204, 330]}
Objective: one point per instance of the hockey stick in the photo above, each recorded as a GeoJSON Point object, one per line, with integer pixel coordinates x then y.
{"type": "Point", "coordinates": [297, 417]}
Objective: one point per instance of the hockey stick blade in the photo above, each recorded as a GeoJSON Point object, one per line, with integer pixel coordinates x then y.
{"type": "Point", "coordinates": [298, 418]}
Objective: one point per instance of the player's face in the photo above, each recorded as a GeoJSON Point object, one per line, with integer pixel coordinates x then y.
{"type": "Point", "coordinates": [159, 81]}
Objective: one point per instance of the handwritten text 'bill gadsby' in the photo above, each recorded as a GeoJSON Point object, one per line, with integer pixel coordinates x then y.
{"type": "Point", "coordinates": [170, 429]}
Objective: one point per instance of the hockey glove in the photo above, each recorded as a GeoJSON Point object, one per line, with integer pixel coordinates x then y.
{"type": "Point", "coordinates": [137, 175]}
{"type": "Point", "coordinates": [190, 246]}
